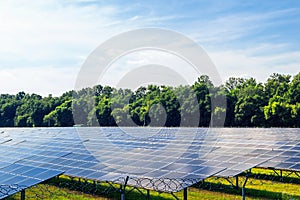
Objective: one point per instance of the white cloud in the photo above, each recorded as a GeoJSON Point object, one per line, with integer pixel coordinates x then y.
{"type": "Point", "coordinates": [43, 81]}
{"type": "Point", "coordinates": [129, 63]}
{"type": "Point", "coordinates": [238, 50]}
{"type": "Point", "coordinates": [37, 34]}
{"type": "Point", "coordinates": [35, 31]}
{"type": "Point", "coordinates": [242, 63]}
{"type": "Point", "coordinates": [44, 43]}
{"type": "Point", "coordinates": [231, 27]}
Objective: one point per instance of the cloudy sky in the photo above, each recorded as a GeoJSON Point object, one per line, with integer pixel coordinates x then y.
{"type": "Point", "coordinates": [43, 44]}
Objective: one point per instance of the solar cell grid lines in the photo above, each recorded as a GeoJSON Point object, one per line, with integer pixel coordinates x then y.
{"type": "Point", "coordinates": [149, 156]}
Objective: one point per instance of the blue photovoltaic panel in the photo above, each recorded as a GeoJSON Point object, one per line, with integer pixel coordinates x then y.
{"type": "Point", "coordinates": [16, 177]}
{"type": "Point", "coordinates": [15, 174]}
{"type": "Point", "coordinates": [187, 155]}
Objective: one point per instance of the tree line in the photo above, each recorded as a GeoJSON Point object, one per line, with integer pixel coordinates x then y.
{"type": "Point", "coordinates": [275, 103]}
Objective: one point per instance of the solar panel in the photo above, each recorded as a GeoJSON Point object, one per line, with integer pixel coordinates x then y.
{"type": "Point", "coordinates": [15, 174]}
{"type": "Point", "coordinates": [286, 150]}
{"type": "Point", "coordinates": [64, 151]}
{"type": "Point", "coordinates": [179, 157]}
{"type": "Point", "coordinates": [15, 178]}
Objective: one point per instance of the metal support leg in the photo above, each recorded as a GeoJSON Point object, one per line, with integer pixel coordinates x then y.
{"type": "Point", "coordinates": [243, 188]}
{"type": "Point", "coordinates": [174, 196]}
{"type": "Point", "coordinates": [237, 182]}
{"type": "Point", "coordinates": [23, 195]}
{"type": "Point", "coordinates": [281, 177]}
{"type": "Point", "coordinates": [122, 188]}
{"type": "Point", "coordinates": [243, 194]}
{"type": "Point", "coordinates": [185, 194]}
{"type": "Point", "coordinates": [122, 195]}
{"type": "Point", "coordinates": [148, 194]}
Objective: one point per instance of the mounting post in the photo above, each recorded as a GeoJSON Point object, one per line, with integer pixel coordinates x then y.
{"type": "Point", "coordinates": [122, 188]}
{"type": "Point", "coordinates": [122, 194]}
{"type": "Point", "coordinates": [148, 194]}
{"type": "Point", "coordinates": [23, 195]}
{"type": "Point", "coordinates": [185, 194]}
{"type": "Point", "coordinates": [244, 189]}
{"type": "Point", "coordinates": [243, 194]}
{"type": "Point", "coordinates": [237, 182]}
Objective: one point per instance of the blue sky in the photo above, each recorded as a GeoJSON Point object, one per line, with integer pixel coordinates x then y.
{"type": "Point", "coordinates": [44, 43]}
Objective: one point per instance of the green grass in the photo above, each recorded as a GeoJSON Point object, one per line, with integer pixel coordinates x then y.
{"type": "Point", "coordinates": [64, 194]}
{"type": "Point", "coordinates": [262, 184]}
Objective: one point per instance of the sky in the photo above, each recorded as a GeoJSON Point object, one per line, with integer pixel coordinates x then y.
{"type": "Point", "coordinates": [43, 44]}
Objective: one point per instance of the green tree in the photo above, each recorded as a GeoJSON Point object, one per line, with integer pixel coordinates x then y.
{"type": "Point", "coordinates": [280, 114]}
{"type": "Point", "coordinates": [61, 116]}
{"type": "Point", "coordinates": [250, 103]}
{"type": "Point", "coordinates": [294, 90]}
{"type": "Point", "coordinates": [277, 85]}
{"type": "Point", "coordinates": [202, 89]}
{"type": "Point", "coordinates": [8, 113]}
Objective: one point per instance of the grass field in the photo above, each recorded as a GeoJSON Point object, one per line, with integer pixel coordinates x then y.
{"type": "Point", "coordinates": [262, 184]}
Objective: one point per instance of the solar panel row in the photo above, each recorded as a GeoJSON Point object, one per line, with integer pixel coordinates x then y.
{"type": "Point", "coordinates": [16, 177]}
{"type": "Point", "coordinates": [14, 174]}
{"type": "Point", "coordinates": [178, 157]}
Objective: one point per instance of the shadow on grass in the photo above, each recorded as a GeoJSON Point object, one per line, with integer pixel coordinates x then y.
{"type": "Point", "coordinates": [274, 177]}
{"type": "Point", "coordinates": [105, 190]}
{"type": "Point", "coordinates": [66, 185]}
{"type": "Point", "coordinates": [250, 192]}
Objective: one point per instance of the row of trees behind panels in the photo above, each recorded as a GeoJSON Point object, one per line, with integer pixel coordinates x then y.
{"type": "Point", "coordinates": [275, 103]}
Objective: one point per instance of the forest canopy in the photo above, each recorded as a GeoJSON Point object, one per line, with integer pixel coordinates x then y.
{"type": "Point", "coordinates": [275, 103]}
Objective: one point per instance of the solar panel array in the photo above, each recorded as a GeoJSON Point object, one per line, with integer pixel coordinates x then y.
{"type": "Point", "coordinates": [286, 151]}
{"type": "Point", "coordinates": [162, 159]}
{"type": "Point", "coordinates": [15, 175]}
